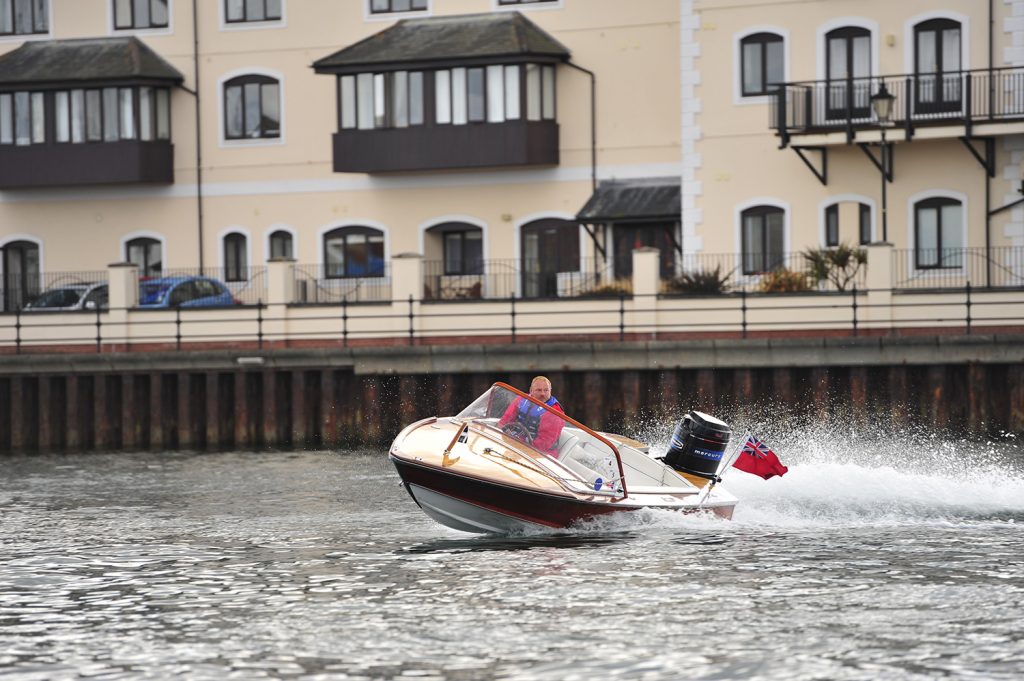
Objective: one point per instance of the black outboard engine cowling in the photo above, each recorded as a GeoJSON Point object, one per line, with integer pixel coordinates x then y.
{"type": "Point", "coordinates": [698, 445]}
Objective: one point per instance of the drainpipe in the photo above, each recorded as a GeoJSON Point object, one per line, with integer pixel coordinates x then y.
{"type": "Point", "coordinates": [992, 153]}
{"type": "Point", "coordinates": [593, 123]}
{"type": "Point", "coordinates": [199, 138]}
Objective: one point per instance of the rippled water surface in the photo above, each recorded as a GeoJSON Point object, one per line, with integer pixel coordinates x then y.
{"type": "Point", "coordinates": [856, 565]}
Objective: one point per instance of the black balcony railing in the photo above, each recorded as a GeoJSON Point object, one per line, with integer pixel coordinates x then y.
{"type": "Point", "coordinates": [496, 279]}
{"type": "Point", "coordinates": [768, 272]}
{"type": "Point", "coordinates": [323, 284]}
{"type": "Point", "coordinates": [951, 268]}
{"type": "Point", "coordinates": [958, 98]}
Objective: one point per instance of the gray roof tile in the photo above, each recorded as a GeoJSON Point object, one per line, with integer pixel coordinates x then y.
{"type": "Point", "coordinates": [450, 38]}
{"type": "Point", "coordinates": [646, 198]}
{"type": "Point", "coordinates": [96, 59]}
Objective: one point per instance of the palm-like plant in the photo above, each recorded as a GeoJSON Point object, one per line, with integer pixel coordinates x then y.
{"type": "Point", "coordinates": [838, 265]}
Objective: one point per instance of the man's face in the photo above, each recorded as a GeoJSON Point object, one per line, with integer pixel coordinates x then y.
{"type": "Point", "coordinates": [540, 391]}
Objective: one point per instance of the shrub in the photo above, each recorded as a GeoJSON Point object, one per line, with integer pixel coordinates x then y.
{"type": "Point", "coordinates": [610, 290]}
{"type": "Point", "coordinates": [701, 281]}
{"type": "Point", "coordinates": [838, 265]}
{"type": "Point", "coordinates": [784, 281]}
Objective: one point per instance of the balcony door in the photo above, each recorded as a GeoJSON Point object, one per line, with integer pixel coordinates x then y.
{"type": "Point", "coordinates": [848, 69]}
{"type": "Point", "coordinates": [20, 274]}
{"type": "Point", "coordinates": [549, 247]}
{"type": "Point", "coordinates": [937, 76]}
{"type": "Point", "coordinates": [628, 237]}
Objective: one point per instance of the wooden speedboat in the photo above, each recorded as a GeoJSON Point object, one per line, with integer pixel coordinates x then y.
{"type": "Point", "coordinates": [473, 473]}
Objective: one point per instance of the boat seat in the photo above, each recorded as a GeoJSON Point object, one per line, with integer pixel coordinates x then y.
{"type": "Point", "coordinates": [565, 446]}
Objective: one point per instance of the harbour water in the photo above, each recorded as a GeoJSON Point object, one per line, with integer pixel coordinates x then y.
{"type": "Point", "coordinates": [895, 557]}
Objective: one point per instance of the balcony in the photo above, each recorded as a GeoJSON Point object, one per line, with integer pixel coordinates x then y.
{"type": "Point", "coordinates": [62, 165]}
{"type": "Point", "coordinates": [957, 104]}
{"type": "Point", "coordinates": [446, 147]}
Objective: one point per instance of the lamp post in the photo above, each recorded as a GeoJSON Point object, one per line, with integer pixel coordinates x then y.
{"type": "Point", "coordinates": [881, 104]}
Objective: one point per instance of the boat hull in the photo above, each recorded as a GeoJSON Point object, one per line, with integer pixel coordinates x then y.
{"type": "Point", "coordinates": [472, 504]}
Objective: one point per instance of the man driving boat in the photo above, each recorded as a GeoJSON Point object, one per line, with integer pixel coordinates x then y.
{"type": "Point", "coordinates": [542, 427]}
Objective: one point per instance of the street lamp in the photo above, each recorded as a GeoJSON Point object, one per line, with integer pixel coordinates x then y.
{"type": "Point", "coordinates": [881, 104]}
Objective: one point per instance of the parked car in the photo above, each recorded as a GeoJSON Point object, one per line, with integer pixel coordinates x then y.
{"type": "Point", "coordinates": [184, 292]}
{"type": "Point", "coordinates": [84, 296]}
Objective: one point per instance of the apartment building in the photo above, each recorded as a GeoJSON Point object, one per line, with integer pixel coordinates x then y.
{"type": "Point", "coordinates": [219, 134]}
{"type": "Point", "coordinates": [521, 147]}
{"type": "Point", "coordinates": [785, 147]}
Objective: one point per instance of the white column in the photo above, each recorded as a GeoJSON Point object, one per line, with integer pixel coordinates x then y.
{"type": "Point", "coordinates": [646, 286]}
{"type": "Point", "coordinates": [280, 281]}
{"type": "Point", "coordinates": [123, 281]}
{"type": "Point", "coordinates": [406, 282]}
{"type": "Point", "coordinates": [879, 282]}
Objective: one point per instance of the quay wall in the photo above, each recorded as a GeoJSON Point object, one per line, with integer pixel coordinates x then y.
{"type": "Point", "coordinates": [285, 399]}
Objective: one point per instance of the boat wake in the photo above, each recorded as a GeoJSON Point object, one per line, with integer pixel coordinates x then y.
{"type": "Point", "coordinates": [875, 481]}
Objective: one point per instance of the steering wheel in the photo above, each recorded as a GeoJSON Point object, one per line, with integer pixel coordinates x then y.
{"type": "Point", "coordinates": [518, 431]}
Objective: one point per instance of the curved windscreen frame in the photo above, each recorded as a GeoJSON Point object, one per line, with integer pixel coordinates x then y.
{"type": "Point", "coordinates": [500, 396]}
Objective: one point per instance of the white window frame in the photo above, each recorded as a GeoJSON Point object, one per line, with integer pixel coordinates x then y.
{"type": "Point", "coordinates": [737, 63]}
{"type": "Point", "coordinates": [252, 25]}
{"type": "Point", "coordinates": [370, 17]}
{"type": "Point", "coordinates": [226, 143]}
{"type": "Point", "coordinates": [115, 31]}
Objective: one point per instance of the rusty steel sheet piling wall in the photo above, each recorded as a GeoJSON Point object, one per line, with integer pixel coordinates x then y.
{"type": "Point", "coordinates": [324, 399]}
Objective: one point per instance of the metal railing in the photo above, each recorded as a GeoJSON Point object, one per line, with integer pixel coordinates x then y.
{"type": "Point", "coordinates": [323, 284]}
{"type": "Point", "coordinates": [952, 268]}
{"type": "Point", "coordinates": [17, 290]}
{"type": "Point", "coordinates": [964, 97]}
{"type": "Point", "coordinates": [502, 279]}
{"type": "Point", "coordinates": [636, 317]}
{"type": "Point", "coordinates": [793, 272]}
{"type": "Point", "coordinates": [248, 285]}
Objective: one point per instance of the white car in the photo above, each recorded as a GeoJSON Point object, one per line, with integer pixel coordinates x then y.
{"type": "Point", "coordinates": [85, 296]}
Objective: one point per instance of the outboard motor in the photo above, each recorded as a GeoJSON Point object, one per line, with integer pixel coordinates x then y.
{"type": "Point", "coordinates": [698, 445]}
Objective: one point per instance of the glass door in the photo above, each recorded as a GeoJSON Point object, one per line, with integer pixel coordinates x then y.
{"type": "Point", "coordinates": [20, 275]}
{"type": "Point", "coordinates": [937, 66]}
{"type": "Point", "coordinates": [848, 55]}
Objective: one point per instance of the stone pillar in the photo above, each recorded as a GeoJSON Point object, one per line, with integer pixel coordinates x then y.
{"type": "Point", "coordinates": [123, 295]}
{"type": "Point", "coordinates": [646, 286]}
{"type": "Point", "coordinates": [880, 283]}
{"type": "Point", "coordinates": [406, 282]}
{"type": "Point", "coordinates": [280, 281]}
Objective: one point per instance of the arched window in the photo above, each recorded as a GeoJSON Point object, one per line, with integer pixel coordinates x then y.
{"type": "Point", "coordinates": [762, 63]}
{"type": "Point", "coordinates": [281, 245]}
{"type": "Point", "coordinates": [252, 108]}
{"type": "Point", "coordinates": [863, 217]}
{"type": "Point", "coordinates": [762, 232]}
{"type": "Point", "coordinates": [548, 247]}
{"type": "Point", "coordinates": [462, 247]}
{"type": "Point", "coordinates": [20, 282]}
{"type": "Point", "coordinates": [147, 254]}
{"type": "Point", "coordinates": [848, 71]}
{"type": "Point", "coordinates": [354, 252]}
{"type": "Point", "coordinates": [235, 257]}
{"type": "Point", "coordinates": [938, 233]}
{"type": "Point", "coordinates": [937, 65]}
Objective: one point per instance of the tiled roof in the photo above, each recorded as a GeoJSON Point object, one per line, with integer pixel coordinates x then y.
{"type": "Point", "coordinates": [450, 38]}
{"type": "Point", "coordinates": [637, 199]}
{"type": "Point", "coordinates": [98, 59]}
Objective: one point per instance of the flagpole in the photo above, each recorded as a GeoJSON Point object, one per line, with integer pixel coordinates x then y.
{"type": "Point", "coordinates": [722, 469]}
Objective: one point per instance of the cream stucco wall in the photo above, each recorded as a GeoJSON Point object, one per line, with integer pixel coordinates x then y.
{"type": "Point", "coordinates": [736, 157]}
{"type": "Point", "coordinates": [258, 186]}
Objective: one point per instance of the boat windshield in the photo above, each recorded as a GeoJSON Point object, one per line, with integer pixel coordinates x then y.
{"type": "Point", "coordinates": [591, 457]}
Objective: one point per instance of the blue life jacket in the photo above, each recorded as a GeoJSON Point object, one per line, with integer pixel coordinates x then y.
{"type": "Point", "coordinates": [529, 414]}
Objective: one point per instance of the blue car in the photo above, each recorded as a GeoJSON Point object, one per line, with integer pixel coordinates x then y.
{"type": "Point", "coordinates": [184, 292]}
